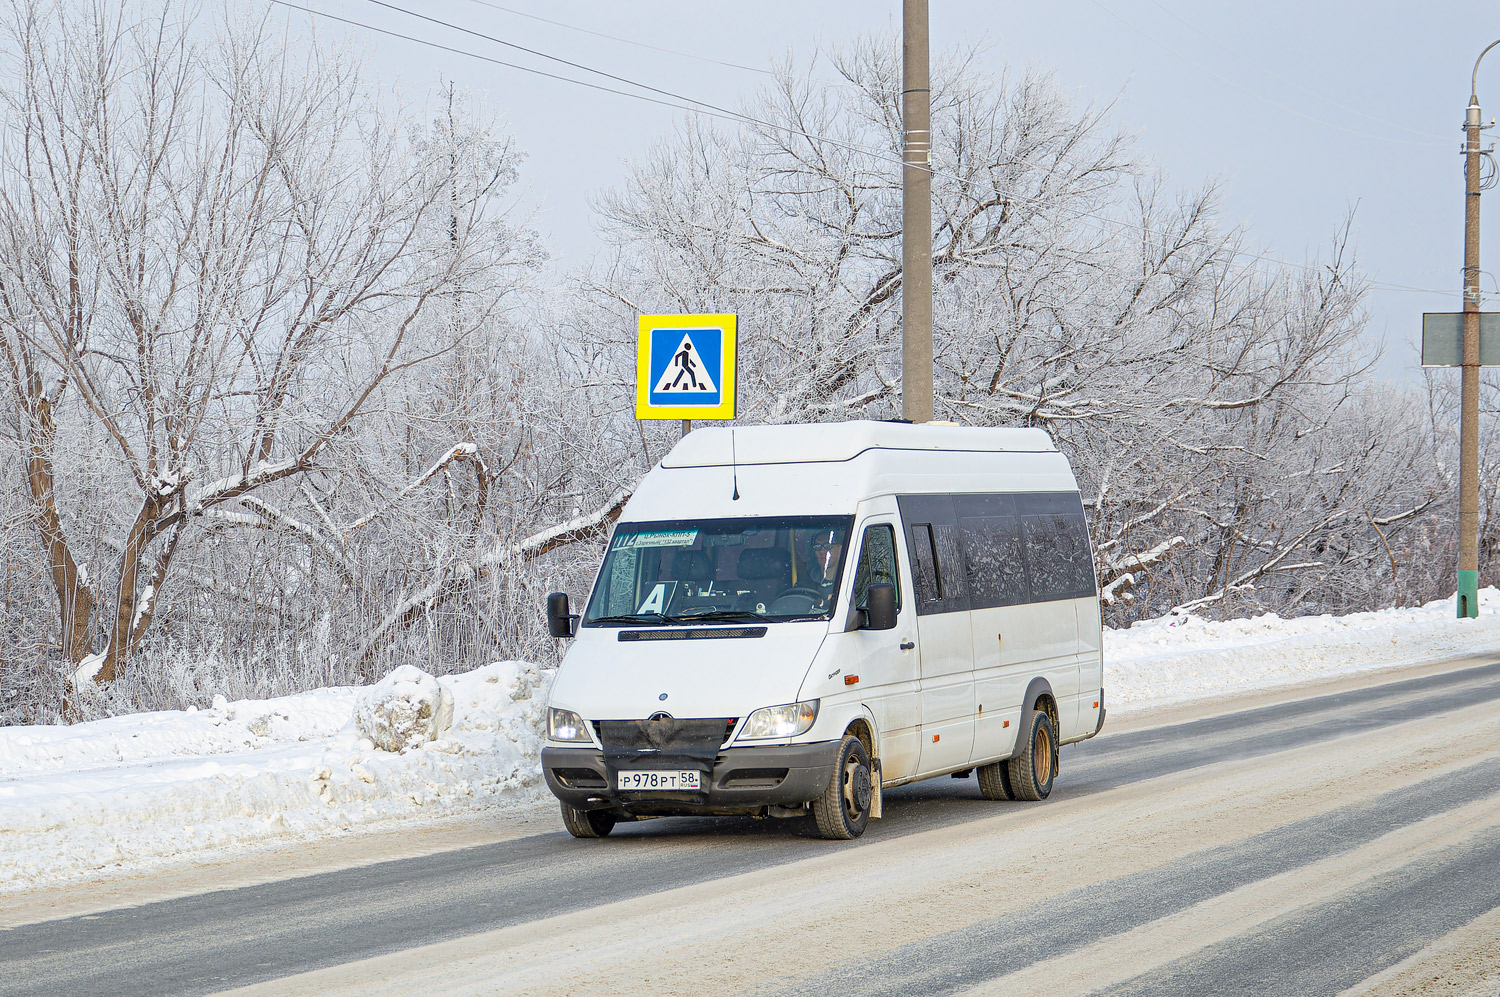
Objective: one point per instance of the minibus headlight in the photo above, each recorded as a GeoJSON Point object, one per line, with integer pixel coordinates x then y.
{"type": "Point", "coordinates": [781, 721]}
{"type": "Point", "coordinates": [565, 725]}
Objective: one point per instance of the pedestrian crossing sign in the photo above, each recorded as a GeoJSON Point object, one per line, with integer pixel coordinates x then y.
{"type": "Point", "coordinates": [685, 367]}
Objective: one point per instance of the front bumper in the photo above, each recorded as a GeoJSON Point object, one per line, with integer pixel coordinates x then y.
{"type": "Point", "coordinates": [743, 780]}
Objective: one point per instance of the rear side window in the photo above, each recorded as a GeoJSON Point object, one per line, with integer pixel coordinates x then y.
{"type": "Point", "coordinates": [1057, 555]}
{"type": "Point", "coordinates": [992, 548]}
{"type": "Point", "coordinates": [877, 565]}
{"type": "Point", "coordinates": [981, 550]}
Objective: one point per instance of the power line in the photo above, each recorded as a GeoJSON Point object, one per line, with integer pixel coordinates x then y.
{"type": "Point", "coordinates": [498, 62]}
{"type": "Point", "coordinates": [552, 58]}
{"type": "Point", "coordinates": [737, 115]}
{"type": "Point", "coordinates": [623, 41]}
{"type": "Point", "coordinates": [708, 60]}
{"type": "Point", "coordinates": [695, 106]}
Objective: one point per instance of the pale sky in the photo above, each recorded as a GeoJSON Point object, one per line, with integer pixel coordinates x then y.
{"type": "Point", "coordinates": [1303, 109]}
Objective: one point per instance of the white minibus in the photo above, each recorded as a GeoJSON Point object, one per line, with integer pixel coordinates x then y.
{"type": "Point", "coordinates": [789, 619]}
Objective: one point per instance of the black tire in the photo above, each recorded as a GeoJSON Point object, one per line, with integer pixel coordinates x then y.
{"type": "Point", "coordinates": [587, 823]}
{"type": "Point", "coordinates": [843, 811]}
{"type": "Point", "coordinates": [1034, 766]}
{"type": "Point", "coordinates": [994, 781]}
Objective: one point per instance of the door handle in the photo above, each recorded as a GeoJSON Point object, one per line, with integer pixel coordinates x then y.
{"type": "Point", "coordinates": [907, 645]}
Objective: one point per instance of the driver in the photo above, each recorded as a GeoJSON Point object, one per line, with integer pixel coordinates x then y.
{"type": "Point", "coordinates": [828, 552]}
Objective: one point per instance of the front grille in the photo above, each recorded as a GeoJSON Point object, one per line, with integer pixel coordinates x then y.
{"type": "Point", "coordinates": [663, 743]}
{"type": "Point", "coordinates": [729, 726]}
{"type": "Point", "coordinates": [665, 736]}
{"type": "Point", "coordinates": [716, 633]}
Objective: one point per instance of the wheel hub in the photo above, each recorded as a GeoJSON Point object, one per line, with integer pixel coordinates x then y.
{"type": "Point", "coordinates": [1042, 752]}
{"type": "Point", "coordinates": [857, 788]}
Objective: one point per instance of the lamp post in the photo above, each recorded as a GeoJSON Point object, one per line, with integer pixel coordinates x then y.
{"type": "Point", "coordinates": [1468, 433]}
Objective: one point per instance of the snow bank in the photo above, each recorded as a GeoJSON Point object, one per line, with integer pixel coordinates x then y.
{"type": "Point", "coordinates": [1185, 658]}
{"type": "Point", "coordinates": [135, 792]}
{"type": "Point", "coordinates": [404, 710]}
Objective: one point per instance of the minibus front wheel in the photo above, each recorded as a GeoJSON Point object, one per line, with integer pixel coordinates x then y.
{"type": "Point", "coordinates": [843, 811]}
{"type": "Point", "coordinates": [587, 823]}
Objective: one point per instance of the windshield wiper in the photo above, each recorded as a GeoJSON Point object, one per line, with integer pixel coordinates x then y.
{"type": "Point", "coordinates": [650, 617]}
{"type": "Point", "coordinates": [729, 614]}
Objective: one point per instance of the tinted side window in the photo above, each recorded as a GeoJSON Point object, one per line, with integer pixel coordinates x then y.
{"type": "Point", "coordinates": [1057, 556]}
{"type": "Point", "coordinates": [924, 565]}
{"type": "Point", "coordinates": [953, 581]}
{"type": "Point", "coordinates": [877, 565]}
{"type": "Point", "coordinates": [997, 574]}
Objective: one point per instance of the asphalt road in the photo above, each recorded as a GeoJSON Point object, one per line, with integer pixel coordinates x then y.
{"type": "Point", "coordinates": [1313, 844]}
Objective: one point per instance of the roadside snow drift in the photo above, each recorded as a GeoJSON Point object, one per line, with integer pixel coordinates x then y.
{"type": "Point", "coordinates": [133, 792]}
{"type": "Point", "coordinates": [1177, 659]}
{"type": "Point", "coordinates": [404, 710]}
{"type": "Point", "coordinates": [136, 792]}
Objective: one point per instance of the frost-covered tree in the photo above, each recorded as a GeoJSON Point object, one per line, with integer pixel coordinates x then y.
{"type": "Point", "coordinates": [216, 250]}
{"type": "Point", "coordinates": [1211, 402]}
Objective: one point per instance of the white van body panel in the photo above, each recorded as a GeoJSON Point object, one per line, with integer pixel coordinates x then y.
{"type": "Point", "coordinates": [829, 470]}
{"type": "Point", "coordinates": [606, 679]}
{"type": "Point", "coordinates": [885, 664]}
{"type": "Point", "coordinates": [946, 646]}
{"type": "Point", "coordinates": [1090, 667]}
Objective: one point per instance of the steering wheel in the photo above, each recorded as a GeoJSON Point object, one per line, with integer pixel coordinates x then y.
{"type": "Point", "coordinates": [813, 596]}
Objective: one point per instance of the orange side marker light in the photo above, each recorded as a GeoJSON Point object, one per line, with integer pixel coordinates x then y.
{"type": "Point", "coordinates": [936, 738]}
{"type": "Point", "coordinates": [854, 680]}
{"type": "Point", "coordinates": [1005, 723]}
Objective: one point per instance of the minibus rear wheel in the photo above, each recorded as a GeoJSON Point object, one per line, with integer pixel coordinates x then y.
{"type": "Point", "coordinates": [994, 781]}
{"type": "Point", "coordinates": [1034, 766]}
{"type": "Point", "coordinates": [587, 823]}
{"type": "Point", "coordinates": [843, 811]}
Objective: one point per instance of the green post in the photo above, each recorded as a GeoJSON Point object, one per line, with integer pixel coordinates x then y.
{"type": "Point", "coordinates": [1468, 594]}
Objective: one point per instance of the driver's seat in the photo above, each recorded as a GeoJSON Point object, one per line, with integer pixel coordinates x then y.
{"type": "Point", "coordinates": [693, 568]}
{"type": "Point", "coordinates": [765, 571]}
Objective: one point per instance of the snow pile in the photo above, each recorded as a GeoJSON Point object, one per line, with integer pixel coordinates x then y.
{"type": "Point", "coordinates": [1178, 659]}
{"type": "Point", "coordinates": [405, 709]}
{"type": "Point", "coordinates": [136, 792]}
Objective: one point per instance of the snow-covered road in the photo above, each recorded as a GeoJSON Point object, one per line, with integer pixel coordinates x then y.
{"type": "Point", "coordinates": [1292, 842]}
{"type": "Point", "coordinates": [148, 791]}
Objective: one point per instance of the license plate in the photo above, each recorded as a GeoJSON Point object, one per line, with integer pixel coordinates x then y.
{"type": "Point", "coordinates": [659, 779]}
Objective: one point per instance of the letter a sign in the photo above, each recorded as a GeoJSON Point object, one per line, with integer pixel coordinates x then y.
{"type": "Point", "coordinates": [685, 367]}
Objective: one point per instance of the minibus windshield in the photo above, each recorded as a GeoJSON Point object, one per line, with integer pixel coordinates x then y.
{"type": "Point", "coordinates": [720, 570]}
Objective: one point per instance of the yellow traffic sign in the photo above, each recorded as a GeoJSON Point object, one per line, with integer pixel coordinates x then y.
{"type": "Point", "coordinates": [684, 367]}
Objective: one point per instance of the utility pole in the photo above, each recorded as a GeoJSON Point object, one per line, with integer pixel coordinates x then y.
{"type": "Point", "coordinates": [1468, 433]}
{"type": "Point", "coordinates": [916, 216]}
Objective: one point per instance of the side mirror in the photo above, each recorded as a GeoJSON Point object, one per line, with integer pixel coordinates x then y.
{"type": "Point", "coordinates": [560, 623]}
{"type": "Point", "coordinates": [880, 608]}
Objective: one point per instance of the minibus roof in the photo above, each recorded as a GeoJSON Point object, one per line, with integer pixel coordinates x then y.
{"type": "Point", "coordinates": [841, 441]}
